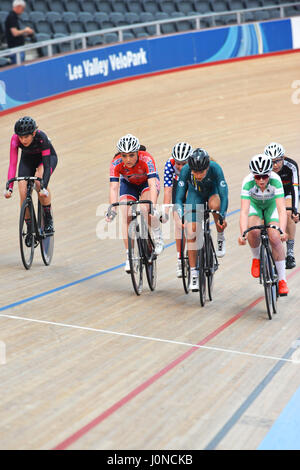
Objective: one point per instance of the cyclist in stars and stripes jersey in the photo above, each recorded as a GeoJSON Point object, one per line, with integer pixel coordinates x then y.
{"type": "Point", "coordinates": [173, 167]}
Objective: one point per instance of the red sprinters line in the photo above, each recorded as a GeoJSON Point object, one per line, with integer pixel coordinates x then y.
{"type": "Point", "coordinates": [119, 404]}
{"type": "Point", "coordinates": [84, 430]}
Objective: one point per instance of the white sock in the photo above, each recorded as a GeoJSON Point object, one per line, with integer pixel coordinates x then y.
{"type": "Point", "coordinates": [280, 265]}
{"type": "Point", "coordinates": [194, 272]}
{"type": "Point", "coordinates": [255, 252]}
{"type": "Point", "coordinates": [220, 236]}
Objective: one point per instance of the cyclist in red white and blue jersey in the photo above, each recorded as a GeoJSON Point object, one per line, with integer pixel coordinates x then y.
{"type": "Point", "coordinates": [133, 176]}
{"type": "Point", "coordinates": [173, 167]}
{"type": "Point", "coordinates": [38, 158]}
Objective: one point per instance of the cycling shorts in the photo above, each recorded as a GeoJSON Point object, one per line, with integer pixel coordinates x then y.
{"type": "Point", "coordinates": [269, 212]}
{"type": "Point", "coordinates": [134, 191]}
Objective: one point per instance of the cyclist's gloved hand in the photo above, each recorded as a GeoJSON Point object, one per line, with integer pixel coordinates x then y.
{"type": "Point", "coordinates": [44, 192]}
{"type": "Point", "coordinates": [222, 225]}
{"type": "Point", "coordinates": [295, 215]}
{"type": "Point", "coordinates": [242, 240]}
{"type": "Point", "coordinates": [110, 215]}
{"type": "Point", "coordinates": [8, 193]}
{"type": "Point", "coordinates": [164, 218]}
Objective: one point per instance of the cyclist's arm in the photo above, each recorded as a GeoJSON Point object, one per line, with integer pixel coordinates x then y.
{"type": "Point", "coordinates": [47, 167]}
{"type": "Point", "coordinates": [14, 147]}
{"type": "Point", "coordinates": [113, 192]}
{"type": "Point", "coordinates": [153, 190]}
{"type": "Point", "coordinates": [244, 213]}
{"type": "Point", "coordinates": [295, 189]}
{"type": "Point", "coordinates": [223, 191]}
{"type": "Point", "coordinates": [168, 184]}
{"type": "Point", "coordinates": [281, 207]}
{"type": "Point", "coordinates": [182, 187]}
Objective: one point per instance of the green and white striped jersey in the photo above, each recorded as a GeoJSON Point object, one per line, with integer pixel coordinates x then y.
{"type": "Point", "coordinates": [251, 191]}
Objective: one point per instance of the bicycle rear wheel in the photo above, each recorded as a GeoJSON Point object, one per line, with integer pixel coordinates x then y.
{"type": "Point", "coordinates": [26, 234]}
{"type": "Point", "coordinates": [135, 257]}
{"type": "Point", "coordinates": [267, 281]}
{"type": "Point", "coordinates": [46, 241]}
{"type": "Point", "coordinates": [202, 277]}
{"type": "Point", "coordinates": [185, 265]}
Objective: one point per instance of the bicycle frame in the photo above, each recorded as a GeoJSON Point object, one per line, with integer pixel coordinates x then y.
{"type": "Point", "coordinates": [145, 244]}
{"type": "Point", "coordinates": [268, 272]}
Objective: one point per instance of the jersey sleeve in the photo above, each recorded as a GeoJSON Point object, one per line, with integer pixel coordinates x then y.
{"type": "Point", "coordinates": [276, 182]}
{"type": "Point", "coordinates": [13, 158]}
{"type": "Point", "coordinates": [114, 173]}
{"type": "Point", "coordinates": [222, 189]}
{"type": "Point", "coordinates": [168, 174]}
{"type": "Point", "coordinates": [246, 186]}
{"type": "Point", "coordinates": [150, 167]}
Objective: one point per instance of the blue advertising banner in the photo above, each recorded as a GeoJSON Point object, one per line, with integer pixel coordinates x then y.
{"type": "Point", "coordinates": [46, 78]}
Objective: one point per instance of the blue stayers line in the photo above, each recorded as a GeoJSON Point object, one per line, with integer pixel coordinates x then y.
{"type": "Point", "coordinates": [57, 289]}
{"type": "Point", "coordinates": [74, 283]}
{"type": "Point", "coordinates": [248, 402]}
{"type": "Point", "coordinates": [284, 434]}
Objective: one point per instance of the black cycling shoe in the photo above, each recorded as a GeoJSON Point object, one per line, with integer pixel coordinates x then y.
{"type": "Point", "coordinates": [49, 228]}
{"type": "Point", "coordinates": [290, 262]}
{"type": "Point", "coordinates": [28, 240]}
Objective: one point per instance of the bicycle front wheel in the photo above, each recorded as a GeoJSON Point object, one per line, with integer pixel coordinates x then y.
{"type": "Point", "coordinates": [185, 265]}
{"type": "Point", "coordinates": [212, 266]}
{"type": "Point", "coordinates": [267, 281]}
{"type": "Point", "coordinates": [26, 234]}
{"type": "Point", "coordinates": [202, 277]}
{"type": "Point", "coordinates": [135, 257]}
{"type": "Point", "coordinates": [150, 262]}
{"type": "Point", "coordinates": [46, 241]}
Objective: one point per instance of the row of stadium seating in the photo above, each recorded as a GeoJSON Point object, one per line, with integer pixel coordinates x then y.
{"type": "Point", "coordinates": [59, 18]}
{"type": "Point", "coordinates": [138, 6]}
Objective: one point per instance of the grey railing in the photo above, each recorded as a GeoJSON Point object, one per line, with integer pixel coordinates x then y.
{"type": "Point", "coordinates": [49, 44]}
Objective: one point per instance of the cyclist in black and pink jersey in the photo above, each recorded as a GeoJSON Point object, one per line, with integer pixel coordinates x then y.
{"type": "Point", "coordinates": [133, 176]}
{"type": "Point", "coordinates": [173, 167]}
{"type": "Point", "coordinates": [38, 158]}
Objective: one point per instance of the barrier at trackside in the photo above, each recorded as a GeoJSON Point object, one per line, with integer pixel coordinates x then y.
{"type": "Point", "coordinates": [45, 78]}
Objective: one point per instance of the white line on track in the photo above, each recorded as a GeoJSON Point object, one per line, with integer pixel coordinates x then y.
{"type": "Point", "coordinates": [149, 338]}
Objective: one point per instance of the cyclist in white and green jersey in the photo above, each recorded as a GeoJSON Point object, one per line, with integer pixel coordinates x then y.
{"type": "Point", "coordinates": [262, 200]}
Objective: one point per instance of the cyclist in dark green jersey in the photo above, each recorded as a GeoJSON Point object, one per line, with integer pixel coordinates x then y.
{"type": "Point", "coordinates": [201, 180]}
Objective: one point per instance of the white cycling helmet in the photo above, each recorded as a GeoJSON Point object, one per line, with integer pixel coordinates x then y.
{"type": "Point", "coordinates": [128, 143]}
{"type": "Point", "coordinates": [261, 164]}
{"type": "Point", "coordinates": [181, 152]}
{"type": "Point", "coordinates": [274, 150]}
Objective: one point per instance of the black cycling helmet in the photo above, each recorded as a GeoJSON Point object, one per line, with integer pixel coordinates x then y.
{"type": "Point", "coordinates": [25, 125]}
{"type": "Point", "coordinates": [198, 160]}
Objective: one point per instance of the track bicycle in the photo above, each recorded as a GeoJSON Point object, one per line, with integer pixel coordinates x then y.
{"type": "Point", "coordinates": [31, 226]}
{"type": "Point", "coordinates": [141, 247]}
{"type": "Point", "coordinates": [268, 273]}
{"type": "Point", "coordinates": [207, 261]}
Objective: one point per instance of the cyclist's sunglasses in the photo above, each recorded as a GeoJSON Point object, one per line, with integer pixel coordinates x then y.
{"type": "Point", "coordinates": [261, 177]}
{"type": "Point", "coordinates": [278, 160]}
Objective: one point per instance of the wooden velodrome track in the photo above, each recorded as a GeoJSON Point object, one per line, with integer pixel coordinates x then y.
{"type": "Point", "coordinates": [89, 365]}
